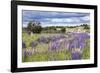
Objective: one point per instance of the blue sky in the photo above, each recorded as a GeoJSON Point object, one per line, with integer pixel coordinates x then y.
{"type": "Point", "coordinates": [48, 18]}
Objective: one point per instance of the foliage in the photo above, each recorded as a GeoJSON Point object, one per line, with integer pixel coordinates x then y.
{"type": "Point", "coordinates": [85, 26]}
{"type": "Point", "coordinates": [34, 27]}
{"type": "Point", "coordinates": [63, 30]}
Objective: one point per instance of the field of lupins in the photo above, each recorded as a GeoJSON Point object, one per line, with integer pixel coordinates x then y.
{"type": "Point", "coordinates": [55, 47]}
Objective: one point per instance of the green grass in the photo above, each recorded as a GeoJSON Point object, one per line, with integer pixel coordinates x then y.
{"type": "Point", "coordinates": [86, 51]}
{"type": "Point", "coordinates": [48, 56]}
{"type": "Point", "coordinates": [43, 53]}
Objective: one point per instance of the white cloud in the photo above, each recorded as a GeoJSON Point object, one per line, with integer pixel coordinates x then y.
{"type": "Point", "coordinates": [86, 18]}
{"type": "Point", "coordinates": [58, 20]}
{"type": "Point", "coordinates": [25, 24]}
{"type": "Point", "coordinates": [67, 20]}
{"type": "Point", "coordinates": [76, 19]}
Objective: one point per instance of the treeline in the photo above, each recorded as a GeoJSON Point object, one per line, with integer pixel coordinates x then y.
{"type": "Point", "coordinates": [35, 27]}
{"type": "Point", "coordinates": [85, 26]}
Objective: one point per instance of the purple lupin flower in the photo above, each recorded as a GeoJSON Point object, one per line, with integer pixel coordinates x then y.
{"type": "Point", "coordinates": [42, 39]}
{"type": "Point", "coordinates": [27, 53]}
{"type": "Point", "coordinates": [76, 55]}
{"type": "Point", "coordinates": [81, 35]}
{"type": "Point", "coordinates": [54, 46]}
{"type": "Point", "coordinates": [72, 45]}
{"type": "Point", "coordinates": [66, 43]}
{"type": "Point", "coordinates": [82, 45]}
{"type": "Point", "coordinates": [33, 44]}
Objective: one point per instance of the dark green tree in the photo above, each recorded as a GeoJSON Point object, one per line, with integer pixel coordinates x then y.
{"type": "Point", "coordinates": [63, 30]}
{"type": "Point", "coordinates": [29, 28]}
{"type": "Point", "coordinates": [85, 26]}
{"type": "Point", "coordinates": [34, 27]}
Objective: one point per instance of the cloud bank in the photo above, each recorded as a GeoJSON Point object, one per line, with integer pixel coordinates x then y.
{"type": "Point", "coordinates": [47, 18]}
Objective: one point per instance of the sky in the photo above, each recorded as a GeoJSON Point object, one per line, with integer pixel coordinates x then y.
{"type": "Point", "coordinates": [50, 18]}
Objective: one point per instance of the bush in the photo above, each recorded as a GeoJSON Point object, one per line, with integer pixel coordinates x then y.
{"type": "Point", "coordinates": [34, 27]}
{"type": "Point", "coordinates": [85, 26]}
{"type": "Point", "coordinates": [63, 30]}
{"type": "Point", "coordinates": [37, 29]}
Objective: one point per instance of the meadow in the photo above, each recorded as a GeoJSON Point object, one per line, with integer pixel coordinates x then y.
{"type": "Point", "coordinates": [71, 45]}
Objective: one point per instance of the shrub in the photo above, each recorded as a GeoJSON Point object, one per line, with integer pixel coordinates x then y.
{"type": "Point", "coordinates": [34, 27]}
{"type": "Point", "coordinates": [63, 30]}
{"type": "Point", "coordinates": [85, 26]}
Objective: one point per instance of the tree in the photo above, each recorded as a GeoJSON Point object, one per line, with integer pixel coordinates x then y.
{"type": "Point", "coordinates": [29, 28]}
{"type": "Point", "coordinates": [63, 30]}
{"type": "Point", "coordinates": [34, 27]}
{"type": "Point", "coordinates": [85, 26]}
